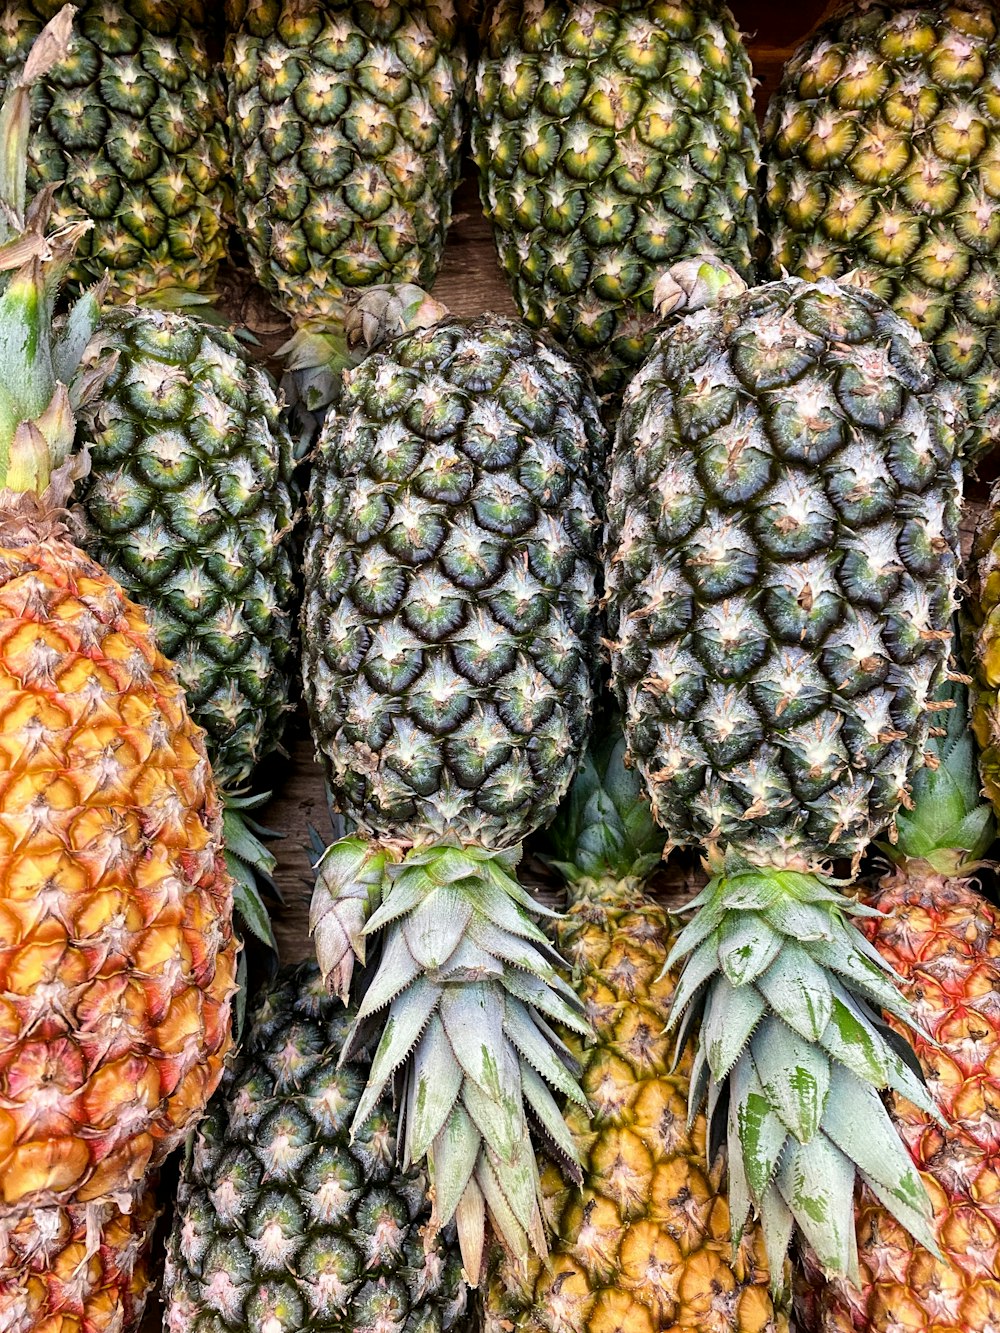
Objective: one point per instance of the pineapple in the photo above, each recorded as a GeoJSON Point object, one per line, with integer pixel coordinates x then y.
{"type": "Point", "coordinates": [76, 1269]}
{"type": "Point", "coordinates": [130, 126]}
{"type": "Point", "coordinates": [781, 572]}
{"type": "Point", "coordinates": [286, 1219]}
{"type": "Point", "coordinates": [943, 940]}
{"type": "Point", "coordinates": [346, 122]}
{"type": "Point", "coordinates": [882, 148]}
{"type": "Point", "coordinates": [644, 1244]}
{"type": "Point", "coordinates": [612, 141]}
{"type": "Point", "coordinates": [190, 503]}
{"type": "Point", "coordinates": [448, 637]}
{"type": "Point", "coordinates": [117, 959]}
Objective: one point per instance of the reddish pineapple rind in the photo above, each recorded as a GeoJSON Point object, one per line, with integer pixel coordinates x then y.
{"type": "Point", "coordinates": [944, 940]}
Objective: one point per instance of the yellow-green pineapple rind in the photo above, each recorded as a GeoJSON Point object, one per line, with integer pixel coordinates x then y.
{"type": "Point", "coordinates": [130, 127]}
{"type": "Point", "coordinates": [611, 142]}
{"type": "Point", "coordinates": [882, 153]}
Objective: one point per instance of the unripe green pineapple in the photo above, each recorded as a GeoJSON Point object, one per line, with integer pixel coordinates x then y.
{"type": "Point", "coordinates": [612, 141]}
{"type": "Point", "coordinates": [346, 123]}
{"type": "Point", "coordinates": [781, 569]}
{"type": "Point", "coordinates": [285, 1220]}
{"type": "Point", "coordinates": [883, 160]}
{"type": "Point", "coordinates": [130, 127]}
{"type": "Point", "coordinates": [190, 502]}
{"type": "Point", "coordinates": [449, 643]}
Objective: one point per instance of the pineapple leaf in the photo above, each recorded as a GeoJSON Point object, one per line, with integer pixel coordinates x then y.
{"type": "Point", "coordinates": [470, 962]}
{"type": "Point", "coordinates": [759, 1129]}
{"type": "Point", "coordinates": [778, 1224]}
{"type": "Point", "coordinates": [740, 1198]}
{"type": "Point", "coordinates": [794, 1074]}
{"type": "Point", "coordinates": [513, 1234]}
{"type": "Point", "coordinates": [816, 1181]}
{"type": "Point", "coordinates": [917, 1223]}
{"type": "Point", "coordinates": [473, 1020]}
{"type": "Point", "coordinates": [859, 1125]}
{"type": "Point", "coordinates": [533, 1047]}
{"type": "Point", "coordinates": [731, 1014]}
{"type": "Point", "coordinates": [451, 1162]}
{"type": "Point", "coordinates": [798, 990]}
{"type": "Point", "coordinates": [405, 893]}
{"type": "Point", "coordinates": [747, 946]}
{"type": "Point", "coordinates": [409, 1014]}
{"type": "Point", "coordinates": [435, 1085]}
{"type": "Point", "coordinates": [544, 998]}
{"type": "Point", "coordinates": [434, 930]}
{"type": "Point", "coordinates": [515, 1169]}
{"type": "Point", "coordinates": [513, 949]}
{"type": "Point", "coordinates": [701, 965]}
{"type": "Point", "coordinates": [705, 925]}
{"type": "Point", "coordinates": [397, 970]}
{"type": "Point", "coordinates": [801, 921]}
{"type": "Point", "coordinates": [550, 1117]}
{"type": "Point", "coordinates": [853, 1042]}
{"type": "Point", "coordinates": [470, 1224]}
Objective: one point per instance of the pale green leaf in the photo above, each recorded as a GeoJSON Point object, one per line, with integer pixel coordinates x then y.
{"type": "Point", "coordinates": [798, 990]}
{"type": "Point", "coordinates": [795, 1076]}
{"type": "Point", "coordinates": [747, 946]}
{"type": "Point", "coordinates": [817, 1183]}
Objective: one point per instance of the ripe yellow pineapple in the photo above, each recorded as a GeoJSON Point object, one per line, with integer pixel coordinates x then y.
{"type": "Point", "coordinates": [117, 960]}
{"type": "Point", "coordinates": [644, 1245]}
{"type": "Point", "coordinates": [943, 939]}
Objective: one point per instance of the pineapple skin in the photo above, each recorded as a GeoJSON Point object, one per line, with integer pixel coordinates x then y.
{"type": "Point", "coordinates": [117, 961]}
{"type": "Point", "coordinates": [943, 938]}
{"type": "Point", "coordinates": [644, 1245]}
{"type": "Point", "coordinates": [881, 153]}
{"type": "Point", "coordinates": [133, 122]}
{"type": "Point", "coordinates": [450, 584]}
{"type": "Point", "coordinates": [781, 572]}
{"type": "Point", "coordinates": [612, 142]}
{"type": "Point", "coordinates": [190, 503]}
{"type": "Point", "coordinates": [73, 1270]}
{"type": "Point", "coordinates": [346, 124]}
{"type": "Point", "coordinates": [284, 1223]}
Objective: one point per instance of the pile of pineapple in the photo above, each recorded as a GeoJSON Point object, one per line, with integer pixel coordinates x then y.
{"type": "Point", "coordinates": [669, 561]}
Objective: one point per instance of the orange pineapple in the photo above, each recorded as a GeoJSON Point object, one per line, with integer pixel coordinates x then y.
{"type": "Point", "coordinates": [943, 939]}
{"type": "Point", "coordinates": [117, 961]}
{"type": "Point", "coordinates": [76, 1269]}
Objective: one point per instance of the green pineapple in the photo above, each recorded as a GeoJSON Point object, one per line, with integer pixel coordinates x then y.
{"type": "Point", "coordinates": [882, 148]}
{"type": "Point", "coordinates": [448, 639]}
{"type": "Point", "coordinates": [781, 572]}
{"type": "Point", "coordinates": [612, 141]}
{"type": "Point", "coordinates": [130, 127]}
{"type": "Point", "coordinates": [346, 122]}
{"type": "Point", "coordinates": [286, 1219]}
{"type": "Point", "coordinates": [190, 504]}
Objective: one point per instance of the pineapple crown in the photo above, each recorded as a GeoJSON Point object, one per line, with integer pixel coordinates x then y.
{"type": "Point", "coordinates": [947, 825]}
{"type": "Point", "coordinates": [41, 391]}
{"type": "Point", "coordinates": [604, 829]}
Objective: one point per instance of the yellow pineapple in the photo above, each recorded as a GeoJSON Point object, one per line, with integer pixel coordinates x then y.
{"type": "Point", "coordinates": [117, 960]}
{"type": "Point", "coordinates": [643, 1244]}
